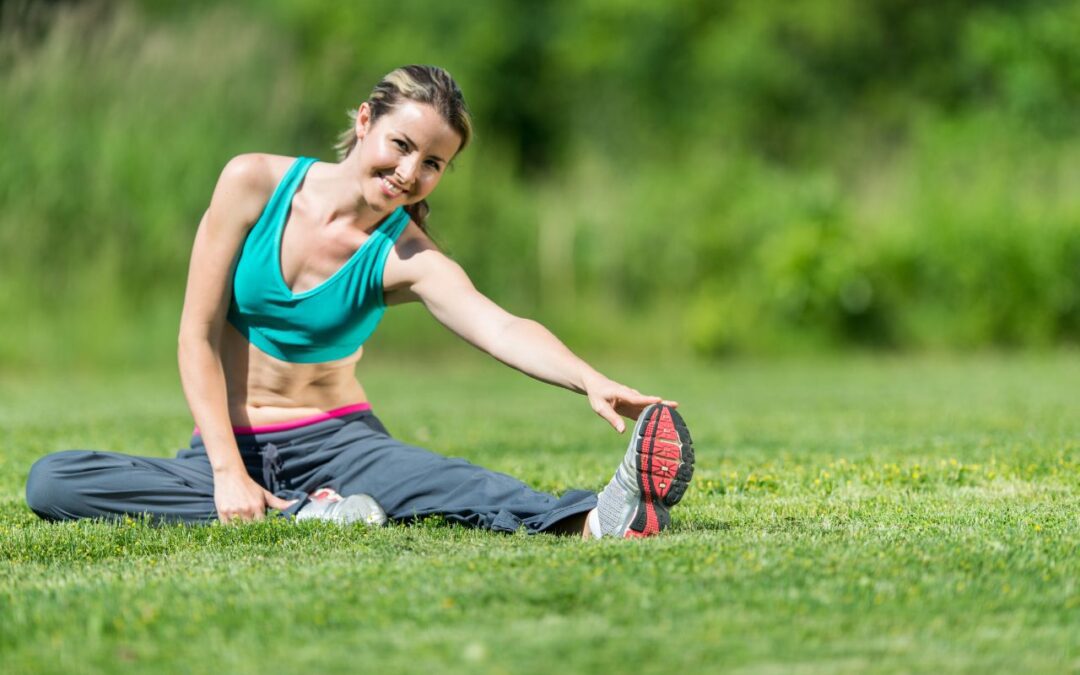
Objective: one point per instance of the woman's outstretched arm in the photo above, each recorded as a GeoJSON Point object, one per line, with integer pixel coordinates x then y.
{"type": "Point", "coordinates": [426, 274]}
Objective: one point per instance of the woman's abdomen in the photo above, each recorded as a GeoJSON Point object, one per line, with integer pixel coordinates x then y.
{"type": "Point", "coordinates": [263, 390]}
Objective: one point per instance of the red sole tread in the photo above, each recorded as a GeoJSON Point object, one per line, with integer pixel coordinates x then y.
{"type": "Point", "coordinates": [665, 464]}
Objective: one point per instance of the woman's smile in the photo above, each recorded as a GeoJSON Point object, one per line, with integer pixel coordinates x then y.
{"type": "Point", "coordinates": [405, 151]}
{"type": "Point", "coordinates": [390, 189]}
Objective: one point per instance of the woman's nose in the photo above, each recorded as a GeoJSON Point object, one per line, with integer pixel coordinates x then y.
{"type": "Point", "coordinates": [406, 169]}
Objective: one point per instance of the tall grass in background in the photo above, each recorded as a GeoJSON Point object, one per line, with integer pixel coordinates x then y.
{"type": "Point", "coordinates": [736, 179]}
{"type": "Point", "coordinates": [114, 130]}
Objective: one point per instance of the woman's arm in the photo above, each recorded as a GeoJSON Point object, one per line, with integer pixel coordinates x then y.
{"type": "Point", "coordinates": [448, 293]}
{"type": "Point", "coordinates": [235, 206]}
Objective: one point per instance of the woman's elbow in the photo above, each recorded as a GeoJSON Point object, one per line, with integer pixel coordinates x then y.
{"type": "Point", "coordinates": [190, 344]}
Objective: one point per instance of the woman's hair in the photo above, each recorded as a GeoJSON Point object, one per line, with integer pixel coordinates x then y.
{"type": "Point", "coordinates": [421, 84]}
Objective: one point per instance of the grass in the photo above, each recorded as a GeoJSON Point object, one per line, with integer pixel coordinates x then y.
{"type": "Point", "coordinates": [891, 515]}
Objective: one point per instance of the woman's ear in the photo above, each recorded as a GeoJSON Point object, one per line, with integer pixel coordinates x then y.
{"type": "Point", "coordinates": [363, 121]}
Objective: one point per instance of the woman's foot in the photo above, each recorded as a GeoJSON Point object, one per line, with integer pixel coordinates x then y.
{"type": "Point", "coordinates": [326, 504]}
{"type": "Point", "coordinates": [652, 477]}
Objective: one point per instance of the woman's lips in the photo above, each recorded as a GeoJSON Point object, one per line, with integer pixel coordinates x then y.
{"type": "Point", "coordinates": [389, 189]}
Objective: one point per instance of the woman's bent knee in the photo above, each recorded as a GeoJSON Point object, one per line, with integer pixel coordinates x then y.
{"type": "Point", "coordinates": [48, 488]}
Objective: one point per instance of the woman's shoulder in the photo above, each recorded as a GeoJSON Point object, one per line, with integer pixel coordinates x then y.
{"type": "Point", "coordinates": [246, 184]}
{"type": "Point", "coordinates": [255, 172]}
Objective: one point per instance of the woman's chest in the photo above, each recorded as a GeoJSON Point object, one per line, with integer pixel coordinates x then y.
{"type": "Point", "coordinates": [310, 254]}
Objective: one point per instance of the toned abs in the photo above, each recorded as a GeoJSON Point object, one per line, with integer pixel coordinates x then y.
{"type": "Point", "coordinates": [264, 390]}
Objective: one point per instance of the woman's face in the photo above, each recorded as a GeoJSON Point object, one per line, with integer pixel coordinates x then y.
{"type": "Point", "coordinates": [403, 154]}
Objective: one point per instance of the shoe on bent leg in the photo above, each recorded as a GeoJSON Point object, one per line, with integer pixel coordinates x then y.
{"type": "Point", "coordinates": [326, 504]}
{"type": "Point", "coordinates": [652, 477]}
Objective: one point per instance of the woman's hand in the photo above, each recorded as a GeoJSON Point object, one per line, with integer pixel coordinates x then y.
{"type": "Point", "coordinates": [609, 400]}
{"type": "Point", "coordinates": [238, 497]}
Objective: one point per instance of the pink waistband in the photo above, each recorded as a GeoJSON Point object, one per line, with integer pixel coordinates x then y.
{"type": "Point", "coordinates": [302, 422]}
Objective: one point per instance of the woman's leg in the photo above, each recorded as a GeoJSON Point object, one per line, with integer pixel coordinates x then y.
{"type": "Point", "coordinates": [410, 482]}
{"type": "Point", "coordinates": [86, 484]}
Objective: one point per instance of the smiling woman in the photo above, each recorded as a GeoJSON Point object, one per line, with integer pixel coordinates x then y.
{"type": "Point", "coordinates": [293, 267]}
{"type": "Point", "coordinates": [437, 91]}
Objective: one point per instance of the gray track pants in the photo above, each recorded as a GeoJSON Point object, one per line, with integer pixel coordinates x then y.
{"type": "Point", "coordinates": [351, 454]}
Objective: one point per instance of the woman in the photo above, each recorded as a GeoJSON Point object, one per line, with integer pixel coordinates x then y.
{"type": "Point", "coordinates": [292, 267]}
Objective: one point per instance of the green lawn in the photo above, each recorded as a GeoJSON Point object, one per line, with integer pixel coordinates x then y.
{"type": "Point", "coordinates": [896, 515]}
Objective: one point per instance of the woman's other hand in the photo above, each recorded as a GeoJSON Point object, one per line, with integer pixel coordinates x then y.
{"type": "Point", "coordinates": [613, 401]}
{"type": "Point", "coordinates": [238, 497]}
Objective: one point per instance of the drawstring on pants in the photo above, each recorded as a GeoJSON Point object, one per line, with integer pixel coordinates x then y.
{"type": "Point", "coordinates": [271, 466]}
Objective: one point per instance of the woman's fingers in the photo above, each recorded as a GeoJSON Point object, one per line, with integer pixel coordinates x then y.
{"type": "Point", "coordinates": [253, 512]}
{"type": "Point", "coordinates": [642, 399]}
{"type": "Point", "coordinates": [613, 401]}
{"type": "Point", "coordinates": [605, 410]}
{"type": "Point", "coordinates": [275, 502]}
{"type": "Point", "coordinates": [244, 516]}
{"type": "Point", "coordinates": [631, 405]}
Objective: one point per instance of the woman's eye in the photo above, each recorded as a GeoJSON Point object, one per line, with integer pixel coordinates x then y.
{"type": "Point", "coordinates": [401, 144]}
{"type": "Point", "coordinates": [433, 164]}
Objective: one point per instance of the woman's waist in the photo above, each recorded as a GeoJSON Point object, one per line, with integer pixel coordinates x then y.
{"type": "Point", "coordinates": [261, 412]}
{"type": "Point", "coordinates": [288, 429]}
{"type": "Point", "coordinates": [261, 420]}
{"type": "Point", "coordinates": [298, 437]}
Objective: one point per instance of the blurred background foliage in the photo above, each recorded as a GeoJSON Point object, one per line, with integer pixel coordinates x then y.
{"type": "Point", "coordinates": [724, 177]}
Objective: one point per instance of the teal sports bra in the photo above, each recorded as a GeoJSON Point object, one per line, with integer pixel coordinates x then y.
{"type": "Point", "coordinates": [328, 322]}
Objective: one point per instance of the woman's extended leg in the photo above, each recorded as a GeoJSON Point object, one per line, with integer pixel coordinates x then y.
{"type": "Point", "coordinates": [410, 482]}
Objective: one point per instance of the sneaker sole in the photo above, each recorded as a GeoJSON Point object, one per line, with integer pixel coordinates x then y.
{"type": "Point", "coordinates": [665, 465]}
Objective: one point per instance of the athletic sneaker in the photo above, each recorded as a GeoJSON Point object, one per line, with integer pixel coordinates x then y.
{"type": "Point", "coordinates": [652, 477]}
{"type": "Point", "coordinates": [326, 504]}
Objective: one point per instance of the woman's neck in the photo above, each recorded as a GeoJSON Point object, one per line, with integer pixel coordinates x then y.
{"type": "Point", "coordinates": [338, 190]}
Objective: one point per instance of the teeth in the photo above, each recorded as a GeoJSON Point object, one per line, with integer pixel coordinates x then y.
{"type": "Point", "coordinates": [393, 189]}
